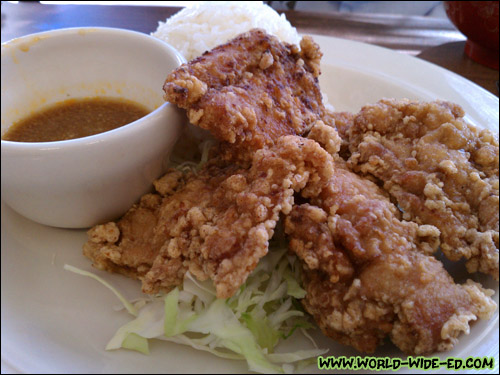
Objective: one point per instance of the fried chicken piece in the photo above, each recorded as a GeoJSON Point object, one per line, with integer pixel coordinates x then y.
{"type": "Point", "coordinates": [441, 171]}
{"type": "Point", "coordinates": [251, 90]}
{"type": "Point", "coordinates": [367, 278]}
{"type": "Point", "coordinates": [216, 224]}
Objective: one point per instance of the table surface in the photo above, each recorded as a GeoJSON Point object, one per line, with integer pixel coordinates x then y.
{"type": "Point", "coordinates": [432, 39]}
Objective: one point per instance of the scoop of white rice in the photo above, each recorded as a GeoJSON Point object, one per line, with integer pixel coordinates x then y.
{"type": "Point", "coordinates": [202, 27]}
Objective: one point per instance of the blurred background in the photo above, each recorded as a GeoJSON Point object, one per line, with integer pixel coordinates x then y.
{"type": "Point", "coordinates": [461, 36]}
{"type": "Point", "coordinates": [415, 8]}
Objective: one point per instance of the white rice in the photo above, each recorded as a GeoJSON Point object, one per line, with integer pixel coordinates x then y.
{"type": "Point", "coordinates": [202, 27]}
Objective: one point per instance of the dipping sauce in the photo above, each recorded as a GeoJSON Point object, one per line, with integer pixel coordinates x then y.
{"type": "Point", "coordinates": [75, 118]}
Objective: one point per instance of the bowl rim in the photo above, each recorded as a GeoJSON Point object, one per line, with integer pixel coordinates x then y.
{"type": "Point", "coordinates": [104, 136]}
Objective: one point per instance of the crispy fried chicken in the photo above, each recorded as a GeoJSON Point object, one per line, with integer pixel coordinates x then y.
{"type": "Point", "coordinates": [251, 90]}
{"type": "Point", "coordinates": [440, 170]}
{"type": "Point", "coordinates": [367, 273]}
{"type": "Point", "coordinates": [216, 224]}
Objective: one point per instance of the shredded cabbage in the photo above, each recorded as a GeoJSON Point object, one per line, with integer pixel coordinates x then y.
{"type": "Point", "coordinates": [193, 166]}
{"type": "Point", "coordinates": [130, 308]}
{"type": "Point", "coordinates": [249, 325]}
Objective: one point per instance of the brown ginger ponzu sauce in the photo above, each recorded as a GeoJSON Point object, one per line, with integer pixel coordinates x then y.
{"type": "Point", "coordinates": [75, 118]}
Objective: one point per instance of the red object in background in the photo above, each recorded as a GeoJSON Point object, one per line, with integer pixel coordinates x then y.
{"type": "Point", "coordinates": [478, 21]}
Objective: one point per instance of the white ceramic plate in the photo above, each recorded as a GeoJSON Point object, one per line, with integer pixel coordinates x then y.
{"type": "Point", "coordinates": [54, 321]}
